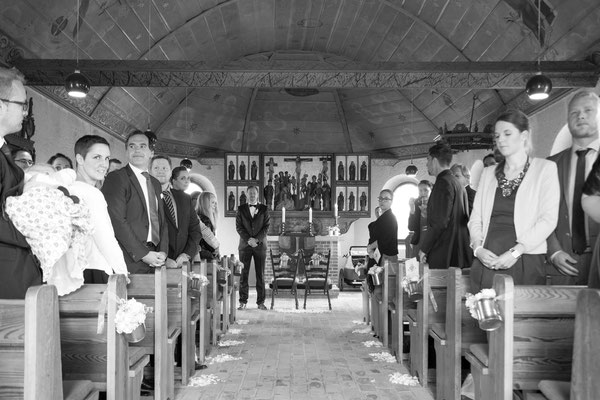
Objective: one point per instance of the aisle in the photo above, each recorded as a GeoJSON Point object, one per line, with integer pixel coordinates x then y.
{"type": "Point", "coordinates": [301, 355]}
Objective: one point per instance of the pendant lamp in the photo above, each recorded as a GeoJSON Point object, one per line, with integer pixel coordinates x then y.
{"type": "Point", "coordinates": [539, 86]}
{"type": "Point", "coordinates": [76, 84]}
{"type": "Point", "coordinates": [411, 169]}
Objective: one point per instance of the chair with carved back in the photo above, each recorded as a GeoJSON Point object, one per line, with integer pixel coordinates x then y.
{"type": "Point", "coordinates": [316, 275]}
{"type": "Point", "coordinates": [285, 270]}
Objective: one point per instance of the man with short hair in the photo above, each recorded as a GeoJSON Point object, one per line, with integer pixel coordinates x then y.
{"type": "Point", "coordinates": [114, 164]}
{"type": "Point", "coordinates": [252, 223]}
{"type": "Point", "coordinates": [18, 268]}
{"type": "Point", "coordinates": [462, 173]}
{"type": "Point", "coordinates": [570, 245]}
{"type": "Point", "coordinates": [489, 159]}
{"type": "Point", "coordinates": [160, 168]}
{"type": "Point", "coordinates": [446, 241]}
{"type": "Point", "coordinates": [135, 208]}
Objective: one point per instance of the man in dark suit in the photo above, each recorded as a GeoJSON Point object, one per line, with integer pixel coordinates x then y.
{"type": "Point", "coordinates": [182, 222]}
{"type": "Point", "coordinates": [462, 173]}
{"type": "Point", "coordinates": [252, 223]}
{"type": "Point", "coordinates": [135, 208]}
{"type": "Point", "coordinates": [570, 245]}
{"type": "Point", "coordinates": [18, 268]}
{"type": "Point", "coordinates": [417, 219]}
{"type": "Point", "coordinates": [446, 242]}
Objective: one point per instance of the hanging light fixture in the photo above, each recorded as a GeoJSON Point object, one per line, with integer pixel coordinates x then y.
{"type": "Point", "coordinates": [76, 84]}
{"type": "Point", "coordinates": [152, 138]}
{"type": "Point", "coordinates": [539, 86]}
{"type": "Point", "coordinates": [411, 169]}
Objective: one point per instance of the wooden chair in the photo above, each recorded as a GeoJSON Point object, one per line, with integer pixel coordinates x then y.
{"type": "Point", "coordinates": [104, 358]}
{"type": "Point", "coordinates": [453, 338]}
{"type": "Point", "coordinates": [586, 354]}
{"type": "Point", "coordinates": [316, 276]}
{"type": "Point", "coordinates": [204, 321]}
{"type": "Point", "coordinates": [284, 276]}
{"type": "Point", "coordinates": [30, 358]}
{"type": "Point", "coordinates": [426, 314]}
{"type": "Point", "coordinates": [183, 317]}
{"type": "Point", "coordinates": [151, 289]}
{"type": "Point", "coordinates": [534, 342]}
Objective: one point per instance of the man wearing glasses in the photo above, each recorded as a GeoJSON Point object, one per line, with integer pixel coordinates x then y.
{"type": "Point", "coordinates": [18, 268]}
{"type": "Point", "coordinates": [23, 159]}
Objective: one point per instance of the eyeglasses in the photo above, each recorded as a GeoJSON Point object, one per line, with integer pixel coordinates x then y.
{"type": "Point", "coordinates": [384, 199]}
{"type": "Point", "coordinates": [25, 161]}
{"type": "Point", "coordinates": [24, 104]}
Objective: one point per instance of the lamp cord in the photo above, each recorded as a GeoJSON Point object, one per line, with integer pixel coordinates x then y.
{"type": "Point", "coordinates": [539, 33]}
{"type": "Point", "coordinates": [77, 39]}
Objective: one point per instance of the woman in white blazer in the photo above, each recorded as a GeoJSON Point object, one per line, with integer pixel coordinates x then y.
{"type": "Point", "coordinates": [515, 209]}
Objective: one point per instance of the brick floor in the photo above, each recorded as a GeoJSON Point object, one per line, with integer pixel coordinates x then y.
{"type": "Point", "coordinates": [307, 355]}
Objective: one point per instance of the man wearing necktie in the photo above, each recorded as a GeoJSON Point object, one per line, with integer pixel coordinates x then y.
{"type": "Point", "coordinates": [18, 268]}
{"type": "Point", "coordinates": [136, 209]}
{"type": "Point", "coordinates": [569, 246]}
{"type": "Point", "coordinates": [252, 223]}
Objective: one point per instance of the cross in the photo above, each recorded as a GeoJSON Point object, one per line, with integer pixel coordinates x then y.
{"type": "Point", "coordinates": [271, 164]}
{"type": "Point", "coordinates": [298, 161]}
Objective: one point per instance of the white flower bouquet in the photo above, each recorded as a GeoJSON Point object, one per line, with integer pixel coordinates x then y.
{"type": "Point", "coordinates": [131, 316]}
{"type": "Point", "coordinates": [284, 260]}
{"type": "Point", "coordinates": [413, 286]}
{"type": "Point", "coordinates": [484, 309]}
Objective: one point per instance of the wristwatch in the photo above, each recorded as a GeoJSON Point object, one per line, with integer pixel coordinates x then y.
{"type": "Point", "coordinates": [515, 253]}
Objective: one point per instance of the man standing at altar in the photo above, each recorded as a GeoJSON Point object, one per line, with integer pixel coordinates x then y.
{"type": "Point", "coordinates": [18, 268]}
{"type": "Point", "coordinates": [252, 223]}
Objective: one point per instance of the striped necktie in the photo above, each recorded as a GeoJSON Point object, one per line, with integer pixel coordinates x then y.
{"type": "Point", "coordinates": [168, 199]}
{"type": "Point", "coordinates": [154, 221]}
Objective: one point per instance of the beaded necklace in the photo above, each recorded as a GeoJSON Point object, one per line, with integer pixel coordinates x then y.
{"type": "Point", "coordinates": [509, 186]}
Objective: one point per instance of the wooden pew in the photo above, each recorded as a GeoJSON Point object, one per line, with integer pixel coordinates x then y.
{"type": "Point", "coordinates": [204, 320]}
{"type": "Point", "coordinates": [30, 361]}
{"type": "Point", "coordinates": [183, 316]}
{"type": "Point", "coordinates": [399, 313]}
{"type": "Point", "coordinates": [586, 353]}
{"type": "Point", "coordinates": [421, 319]}
{"type": "Point", "coordinates": [453, 338]}
{"type": "Point", "coordinates": [151, 289]}
{"type": "Point", "coordinates": [104, 358]}
{"type": "Point", "coordinates": [534, 342]}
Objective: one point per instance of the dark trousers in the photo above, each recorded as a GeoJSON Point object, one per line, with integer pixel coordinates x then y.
{"type": "Point", "coordinates": [259, 254]}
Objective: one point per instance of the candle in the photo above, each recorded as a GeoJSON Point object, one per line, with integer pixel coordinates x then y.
{"type": "Point", "coordinates": [310, 215]}
{"type": "Point", "coordinates": [282, 214]}
{"type": "Point", "coordinates": [335, 209]}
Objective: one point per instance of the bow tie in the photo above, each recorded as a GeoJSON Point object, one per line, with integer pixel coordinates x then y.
{"type": "Point", "coordinates": [253, 205]}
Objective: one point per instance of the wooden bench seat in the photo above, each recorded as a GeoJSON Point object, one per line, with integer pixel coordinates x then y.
{"type": "Point", "coordinates": [30, 357]}
{"type": "Point", "coordinates": [586, 354]}
{"type": "Point", "coordinates": [105, 358]}
{"type": "Point", "coordinates": [534, 342]}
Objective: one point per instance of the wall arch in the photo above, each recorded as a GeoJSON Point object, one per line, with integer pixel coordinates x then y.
{"type": "Point", "coordinates": [204, 183]}
{"type": "Point", "coordinates": [398, 180]}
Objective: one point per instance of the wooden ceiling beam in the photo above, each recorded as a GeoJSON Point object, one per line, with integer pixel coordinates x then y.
{"type": "Point", "coordinates": [471, 75]}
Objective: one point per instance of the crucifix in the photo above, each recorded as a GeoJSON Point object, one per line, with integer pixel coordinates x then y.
{"type": "Point", "coordinates": [298, 160]}
{"type": "Point", "coordinates": [270, 165]}
{"type": "Point", "coordinates": [325, 167]}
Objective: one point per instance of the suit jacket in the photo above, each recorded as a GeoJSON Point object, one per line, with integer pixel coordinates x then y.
{"type": "Point", "coordinates": [446, 242]}
{"type": "Point", "coordinates": [129, 217]}
{"type": "Point", "coordinates": [470, 197]}
{"type": "Point", "coordinates": [384, 230]}
{"type": "Point", "coordinates": [184, 235]}
{"type": "Point", "coordinates": [560, 239]}
{"type": "Point", "coordinates": [18, 268]}
{"type": "Point", "coordinates": [249, 227]}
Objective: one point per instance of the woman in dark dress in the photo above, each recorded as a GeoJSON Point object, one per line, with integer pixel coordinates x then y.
{"type": "Point", "coordinates": [515, 209]}
{"type": "Point", "coordinates": [207, 212]}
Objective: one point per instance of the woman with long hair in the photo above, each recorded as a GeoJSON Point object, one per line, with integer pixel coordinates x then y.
{"type": "Point", "coordinates": [208, 212]}
{"type": "Point", "coordinates": [515, 209]}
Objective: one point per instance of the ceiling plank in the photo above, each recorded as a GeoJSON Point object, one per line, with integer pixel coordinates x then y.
{"type": "Point", "coordinates": [248, 120]}
{"type": "Point", "coordinates": [471, 75]}
{"type": "Point", "coordinates": [342, 117]}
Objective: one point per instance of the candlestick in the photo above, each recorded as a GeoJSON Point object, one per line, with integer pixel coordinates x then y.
{"type": "Point", "coordinates": [283, 215]}
{"type": "Point", "coordinates": [335, 210]}
{"type": "Point", "coordinates": [310, 215]}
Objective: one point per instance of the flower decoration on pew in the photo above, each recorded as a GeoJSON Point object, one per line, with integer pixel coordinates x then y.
{"type": "Point", "coordinates": [131, 317]}
{"type": "Point", "coordinates": [198, 281]}
{"type": "Point", "coordinates": [413, 286]}
{"type": "Point", "coordinates": [284, 260]}
{"type": "Point", "coordinates": [376, 275]}
{"type": "Point", "coordinates": [483, 308]}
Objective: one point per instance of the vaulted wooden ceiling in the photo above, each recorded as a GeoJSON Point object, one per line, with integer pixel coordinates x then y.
{"type": "Point", "coordinates": [226, 111]}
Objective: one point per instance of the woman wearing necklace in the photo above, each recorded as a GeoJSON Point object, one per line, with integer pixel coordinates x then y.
{"type": "Point", "coordinates": [515, 209]}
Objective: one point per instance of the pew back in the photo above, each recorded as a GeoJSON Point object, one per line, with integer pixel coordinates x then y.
{"type": "Point", "coordinates": [30, 366]}
{"type": "Point", "coordinates": [586, 353]}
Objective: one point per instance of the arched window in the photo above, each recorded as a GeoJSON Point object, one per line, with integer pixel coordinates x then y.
{"type": "Point", "coordinates": [193, 188]}
{"type": "Point", "coordinates": [400, 206]}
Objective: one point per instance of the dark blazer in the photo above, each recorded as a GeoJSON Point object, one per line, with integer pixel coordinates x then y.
{"type": "Point", "coordinates": [414, 225]}
{"type": "Point", "coordinates": [129, 216]}
{"type": "Point", "coordinates": [18, 268]}
{"type": "Point", "coordinates": [249, 227]}
{"type": "Point", "coordinates": [384, 230]}
{"type": "Point", "coordinates": [470, 197]}
{"type": "Point", "coordinates": [446, 242]}
{"type": "Point", "coordinates": [185, 235]}
{"type": "Point", "coordinates": [560, 239]}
